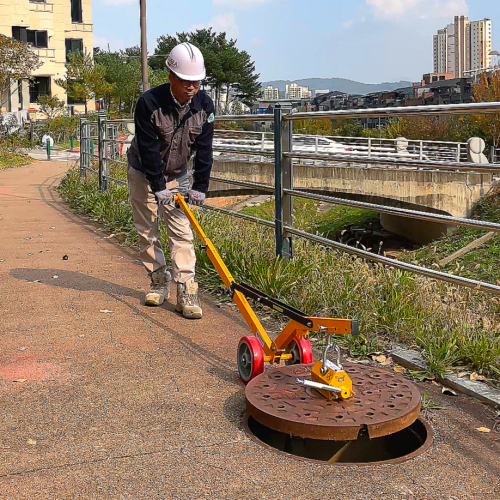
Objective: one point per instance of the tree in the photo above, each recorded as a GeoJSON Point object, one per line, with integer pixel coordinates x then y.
{"type": "Point", "coordinates": [488, 90]}
{"type": "Point", "coordinates": [17, 62]}
{"type": "Point", "coordinates": [51, 106]}
{"type": "Point", "coordinates": [84, 80]}
{"type": "Point", "coordinates": [123, 72]}
{"type": "Point", "coordinates": [230, 72]}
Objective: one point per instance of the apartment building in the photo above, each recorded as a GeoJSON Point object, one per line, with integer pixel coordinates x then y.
{"type": "Point", "coordinates": [54, 29]}
{"type": "Point", "coordinates": [462, 47]}
{"type": "Point", "coordinates": [480, 44]}
{"type": "Point", "coordinates": [295, 91]}
{"type": "Point", "coordinates": [271, 93]}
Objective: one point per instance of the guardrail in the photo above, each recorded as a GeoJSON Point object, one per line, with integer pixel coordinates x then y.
{"type": "Point", "coordinates": [283, 189]}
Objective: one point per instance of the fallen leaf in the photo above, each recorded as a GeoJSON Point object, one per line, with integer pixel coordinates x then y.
{"type": "Point", "coordinates": [110, 236]}
{"type": "Point", "coordinates": [483, 429]}
{"type": "Point", "coordinates": [379, 359]}
{"type": "Point", "coordinates": [462, 374]}
{"type": "Point", "coordinates": [363, 362]}
{"type": "Point", "coordinates": [105, 311]}
{"type": "Point", "coordinates": [475, 376]}
{"type": "Point", "coordinates": [22, 348]}
{"type": "Point", "coordinates": [26, 239]}
{"type": "Point", "coordinates": [399, 369]}
{"type": "Point", "coordinates": [35, 281]}
{"type": "Point", "coordinates": [55, 277]}
{"type": "Point", "coordinates": [29, 254]}
{"type": "Point", "coordinates": [2, 260]}
{"type": "Point", "coordinates": [39, 234]}
{"type": "Point", "coordinates": [81, 335]}
{"type": "Point", "coordinates": [387, 362]}
{"type": "Point", "coordinates": [435, 383]}
{"type": "Point", "coordinates": [447, 390]}
{"type": "Point", "coordinates": [20, 380]}
{"type": "Point", "coordinates": [31, 441]}
{"type": "Point", "coordinates": [52, 228]}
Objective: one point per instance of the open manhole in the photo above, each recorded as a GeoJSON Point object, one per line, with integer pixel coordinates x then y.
{"type": "Point", "coordinates": [379, 424]}
{"type": "Point", "coordinates": [394, 448]}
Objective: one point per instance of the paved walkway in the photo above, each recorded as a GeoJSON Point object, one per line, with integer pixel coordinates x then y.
{"type": "Point", "coordinates": [138, 403]}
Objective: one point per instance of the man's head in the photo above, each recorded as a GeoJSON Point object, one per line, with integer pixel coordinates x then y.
{"type": "Point", "coordinates": [187, 70]}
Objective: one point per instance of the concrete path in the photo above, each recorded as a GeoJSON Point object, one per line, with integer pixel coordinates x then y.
{"type": "Point", "coordinates": [138, 403]}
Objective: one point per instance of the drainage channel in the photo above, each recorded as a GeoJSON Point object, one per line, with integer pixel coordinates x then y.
{"type": "Point", "coordinates": [379, 424]}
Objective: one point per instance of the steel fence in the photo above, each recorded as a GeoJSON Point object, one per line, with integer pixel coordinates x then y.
{"type": "Point", "coordinates": [284, 154]}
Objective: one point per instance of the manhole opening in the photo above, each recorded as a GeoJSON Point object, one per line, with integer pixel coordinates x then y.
{"type": "Point", "coordinates": [395, 448]}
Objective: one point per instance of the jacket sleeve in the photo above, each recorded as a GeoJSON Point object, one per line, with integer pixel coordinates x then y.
{"type": "Point", "coordinates": [148, 144]}
{"type": "Point", "coordinates": [204, 153]}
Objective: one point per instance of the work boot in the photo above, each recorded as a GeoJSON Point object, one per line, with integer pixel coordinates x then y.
{"type": "Point", "coordinates": [188, 302]}
{"type": "Point", "coordinates": [159, 289]}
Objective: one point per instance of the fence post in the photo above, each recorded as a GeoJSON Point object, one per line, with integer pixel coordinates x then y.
{"type": "Point", "coordinates": [287, 183]}
{"type": "Point", "coordinates": [459, 153]}
{"type": "Point", "coordinates": [278, 182]}
{"type": "Point", "coordinates": [101, 149]}
{"type": "Point", "coordinates": [82, 145]}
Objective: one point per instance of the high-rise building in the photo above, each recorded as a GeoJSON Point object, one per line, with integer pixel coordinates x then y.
{"type": "Point", "coordinates": [463, 47]}
{"type": "Point", "coordinates": [441, 51]}
{"type": "Point", "coordinates": [54, 30]}
{"type": "Point", "coordinates": [271, 93]}
{"type": "Point", "coordinates": [295, 91]}
{"type": "Point", "coordinates": [480, 44]}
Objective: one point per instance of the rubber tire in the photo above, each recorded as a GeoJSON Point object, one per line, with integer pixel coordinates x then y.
{"type": "Point", "coordinates": [257, 358]}
{"type": "Point", "coordinates": [305, 349]}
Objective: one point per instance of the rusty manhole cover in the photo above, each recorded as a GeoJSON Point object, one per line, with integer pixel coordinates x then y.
{"type": "Point", "coordinates": [384, 403]}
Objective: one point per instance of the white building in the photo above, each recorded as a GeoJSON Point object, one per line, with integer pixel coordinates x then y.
{"type": "Point", "coordinates": [295, 91]}
{"type": "Point", "coordinates": [480, 44]}
{"type": "Point", "coordinates": [463, 47]}
{"type": "Point", "coordinates": [441, 51]}
{"type": "Point", "coordinates": [322, 92]}
{"type": "Point", "coordinates": [271, 93]}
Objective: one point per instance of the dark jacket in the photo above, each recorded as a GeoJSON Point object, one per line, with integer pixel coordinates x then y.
{"type": "Point", "coordinates": [162, 148]}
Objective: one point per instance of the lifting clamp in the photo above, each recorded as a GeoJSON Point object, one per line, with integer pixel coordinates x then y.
{"type": "Point", "coordinates": [292, 344]}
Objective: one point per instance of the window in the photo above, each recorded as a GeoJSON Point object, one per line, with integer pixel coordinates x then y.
{"type": "Point", "coordinates": [40, 87]}
{"type": "Point", "coordinates": [19, 33]}
{"type": "Point", "coordinates": [73, 46]}
{"type": "Point", "coordinates": [76, 11]}
{"type": "Point", "coordinates": [37, 38]}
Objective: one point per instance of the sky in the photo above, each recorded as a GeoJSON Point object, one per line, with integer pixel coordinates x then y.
{"type": "Point", "coordinates": [370, 41]}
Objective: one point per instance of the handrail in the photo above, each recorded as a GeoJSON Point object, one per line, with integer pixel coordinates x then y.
{"type": "Point", "coordinates": [444, 109]}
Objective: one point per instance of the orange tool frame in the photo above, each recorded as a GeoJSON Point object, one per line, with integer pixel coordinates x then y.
{"type": "Point", "coordinates": [292, 344]}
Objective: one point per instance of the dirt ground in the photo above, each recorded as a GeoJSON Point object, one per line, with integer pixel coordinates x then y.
{"type": "Point", "coordinates": [103, 398]}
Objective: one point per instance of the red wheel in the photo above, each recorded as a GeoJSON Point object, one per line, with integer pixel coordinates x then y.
{"type": "Point", "coordinates": [250, 359]}
{"type": "Point", "coordinates": [301, 352]}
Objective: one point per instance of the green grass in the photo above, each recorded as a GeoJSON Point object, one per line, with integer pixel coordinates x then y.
{"type": "Point", "coordinates": [452, 326]}
{"type": "Point", "coordinates": [307, 216]}
{"type": "Point", "coordinates": [12, 160]}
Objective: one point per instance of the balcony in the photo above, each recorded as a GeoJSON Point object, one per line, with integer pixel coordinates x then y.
{"type": "Point", "coordinates": [86, 27]}
{"type": "Point", "coordinates": [36, 6]}
{"type": "Point", "coordinates": [44, 53]}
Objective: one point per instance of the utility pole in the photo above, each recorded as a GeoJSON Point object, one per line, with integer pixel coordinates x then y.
{"type": "Point", "coordinates": [144, 49]}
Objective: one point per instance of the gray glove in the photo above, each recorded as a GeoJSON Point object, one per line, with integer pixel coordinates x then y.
{"type": "Point", "coordinates": [164, 197]}
{"type": "Point", "coordinates": [195, 197]}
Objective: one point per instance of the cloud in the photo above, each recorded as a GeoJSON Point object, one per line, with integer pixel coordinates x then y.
{"type": "Point", "coordinates": [423, 9]}
{"type": "Point", "coordinates": [347, 24]}
{"type": "Point", "coordinates": [242, 4]}
{"type": "Point", "coordinates": [222, 22]}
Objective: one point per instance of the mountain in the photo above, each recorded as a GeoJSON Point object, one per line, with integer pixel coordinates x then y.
{"type": "Point", "coordinates": [340, 84]}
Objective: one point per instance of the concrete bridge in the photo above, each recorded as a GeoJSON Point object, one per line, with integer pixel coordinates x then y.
{"type": "Point", "coordinates": [439, 191]}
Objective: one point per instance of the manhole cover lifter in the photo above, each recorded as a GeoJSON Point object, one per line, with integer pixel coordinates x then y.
{"type": "Point", "coordinates": [292, 344]}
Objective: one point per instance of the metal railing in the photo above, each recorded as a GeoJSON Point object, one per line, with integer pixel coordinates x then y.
{"type": "Point", "coordinates": [283, 188]}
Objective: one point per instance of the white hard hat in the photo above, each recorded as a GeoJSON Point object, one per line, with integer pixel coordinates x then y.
{"type": "Point", "coordinates": [187, 62]}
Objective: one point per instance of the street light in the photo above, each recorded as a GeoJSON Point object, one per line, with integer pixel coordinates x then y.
{"type": "Point", "coordinates": [144, 49]}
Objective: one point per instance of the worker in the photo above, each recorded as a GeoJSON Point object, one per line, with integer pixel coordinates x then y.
{"type": "Point", "coordinates": [172, 122]}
